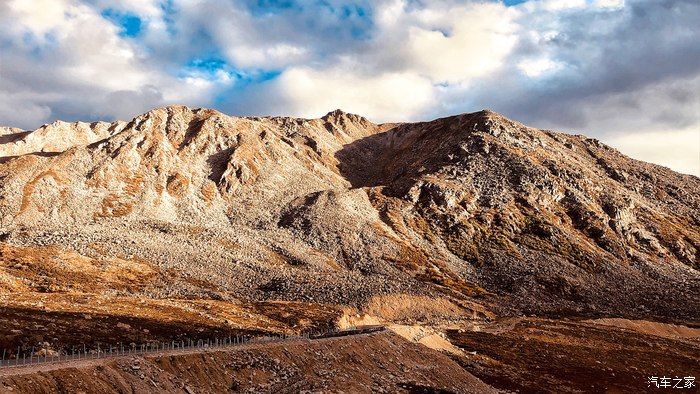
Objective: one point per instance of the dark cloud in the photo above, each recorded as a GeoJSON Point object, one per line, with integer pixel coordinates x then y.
{"type": "Point", "coordinates": [614, 57]}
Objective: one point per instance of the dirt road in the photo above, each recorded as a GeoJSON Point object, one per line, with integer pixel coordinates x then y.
{"type": "Point", "coordinates": [252, 345]}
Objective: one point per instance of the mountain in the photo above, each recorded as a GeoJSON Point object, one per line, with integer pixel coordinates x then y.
{"type": "Point", "coordinates": [466, 233]}
{"type": "Point", "coordinates": [474, 207]}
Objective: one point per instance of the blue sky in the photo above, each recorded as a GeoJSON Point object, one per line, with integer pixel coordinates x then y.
{"type": "Point", "coordinates": [129, 23]}
{"type": "Point", "coordinates": [624, 71]}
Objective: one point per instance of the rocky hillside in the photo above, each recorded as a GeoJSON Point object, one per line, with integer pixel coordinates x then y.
{"type": "Point", "coordinates": [479, 210]}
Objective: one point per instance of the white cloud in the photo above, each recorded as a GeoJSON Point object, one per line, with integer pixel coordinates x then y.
{"type": "Point", "coordinates": [677, 149]}
{"type": "Point", "coordinates": [309, 93]}
{"type": "Point", "coordinates": [609, 3]}
{"type": "Point", "coordinates": [40, 16]}
{"type": "Point", "coordinates": [64, 60]}
{"type": "Point", "coordinates": [556, 5]}
{"type": "Point", "coordinates": [273, 56]}
{"type": "Point", "coordinates": [391, 74]}
{"type": "Point", "coordinates": [446, 42]}
{"type": "Point", "coordinates": [246, 41]}
{"type": "Point", "coordinates": [537, 67]}
{"type": "Point", "coordinates": [72, 43]}
{"type": "Point", "coordinates": [149, 9]}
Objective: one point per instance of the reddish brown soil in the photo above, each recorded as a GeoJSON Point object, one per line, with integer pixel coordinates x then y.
{"type": "Point", "coordinates": [56, 298]}
{"type": "Point", "coordinates": [71, 327]}
{"type": "Point", "coordinates": [538, 355]}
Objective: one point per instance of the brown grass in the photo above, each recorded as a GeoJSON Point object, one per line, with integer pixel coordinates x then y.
{"type": "Point", "coordinates": [53, 269]}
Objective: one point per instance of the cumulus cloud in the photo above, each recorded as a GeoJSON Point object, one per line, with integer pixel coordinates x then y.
{"type": "Point", "coordinates": [308, 92]}
{"type": "Point", "coordinates": [613, 69]}
{"type": "Point", "coordinates": [63, 59]}
{"type": "Point", "coordinates": [395, 73]}
{"type": "Point", "coordinates": [62, 56]}
{"type": "Point", "coordinates": [444, 41]}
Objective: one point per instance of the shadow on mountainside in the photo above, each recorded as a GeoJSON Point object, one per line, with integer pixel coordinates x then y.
{"type": "Point", "coordinates": [361, 161]}
{"type": "Point", "coordinates": [391, 158]}
{"type": "Point", "coordinates": [65, 330]}
{"type": "Point", "coordinates": [401, 154]}
{"type": "Point", "coordinates": [8, 138]}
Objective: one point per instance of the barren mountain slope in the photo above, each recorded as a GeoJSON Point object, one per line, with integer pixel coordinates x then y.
{"type": "Point", "coordinates": [474, 208]}
{"type": "Point", "coordinates": [551, 221]}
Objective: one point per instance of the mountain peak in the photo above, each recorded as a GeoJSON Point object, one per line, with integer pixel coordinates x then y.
{"type": "Point", "coordinates": [338, 115]}
{"type": "Point", "coordinates": [178, 109]}
{"type": "Point", "coordinates": [489, 113]}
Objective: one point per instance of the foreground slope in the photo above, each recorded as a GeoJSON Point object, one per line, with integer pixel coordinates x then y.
{"type": "Point", "coordinates": [363, 364]}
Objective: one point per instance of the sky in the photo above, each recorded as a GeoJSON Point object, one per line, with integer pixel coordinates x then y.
{"type": "Point", "coordinates": [624, 71]}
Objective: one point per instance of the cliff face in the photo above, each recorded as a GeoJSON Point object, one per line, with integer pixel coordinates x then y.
{"type": "Point", "coordinates": [474, 207]}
